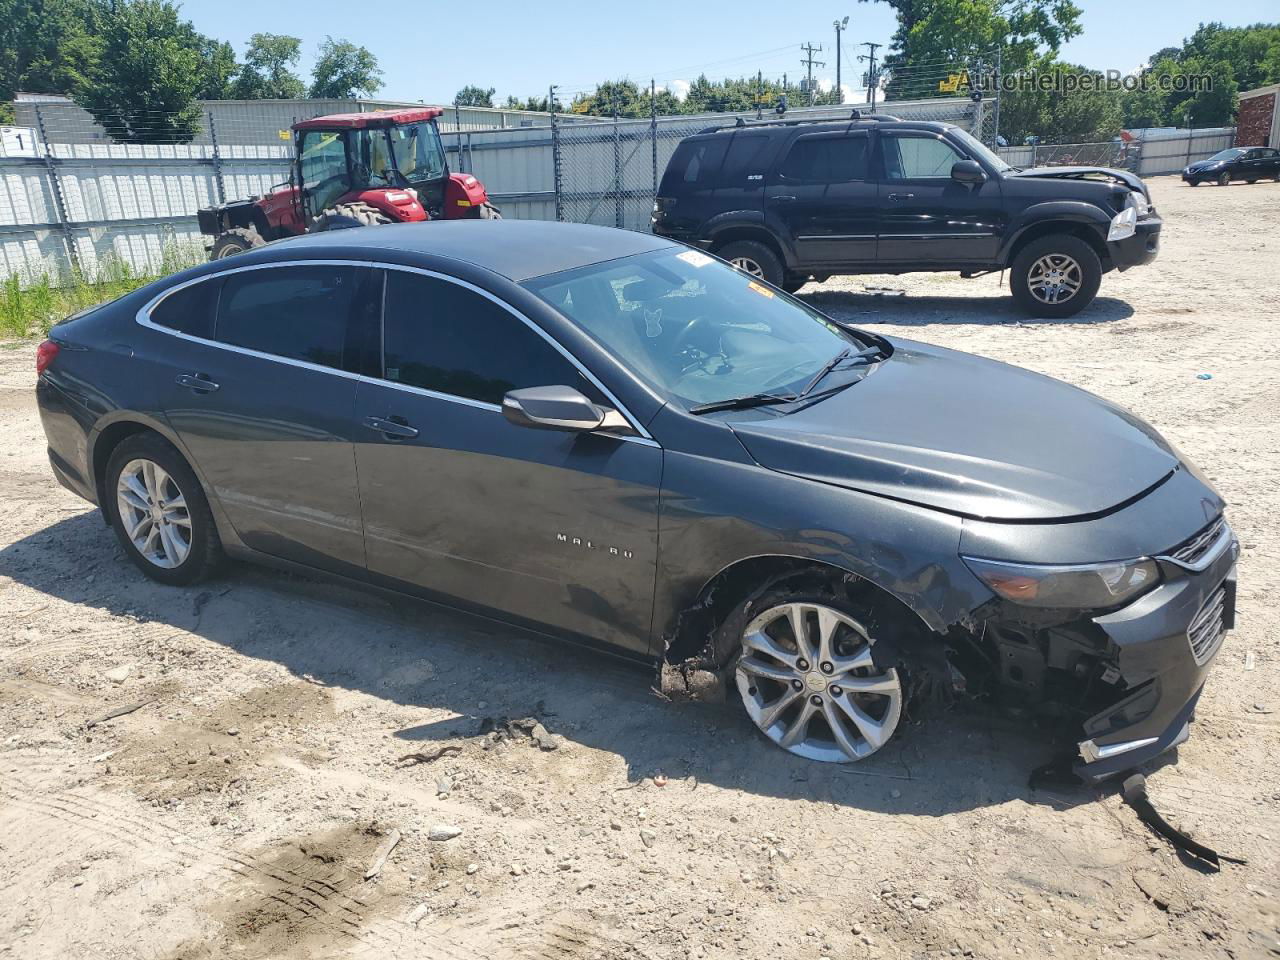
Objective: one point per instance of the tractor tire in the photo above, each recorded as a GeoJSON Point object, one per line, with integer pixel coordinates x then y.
{"type": "Point", "coordinates": [346, 215]}
{"type": "Point", "coordinates": [236, 240]}
{"type": "Point", "coordinates": [487, 211]}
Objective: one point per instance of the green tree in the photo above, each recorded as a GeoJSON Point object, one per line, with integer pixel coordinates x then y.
{"type": "Point", "coordinates": [47, 46]}
{"type": "Point", "coordinates": [142, 88]}
{"type": "Point", "coordinates": [217, 68]}
{"type": "Point", "coordinates": [471, 96]}
{"type": "Point", "coordinates": [267, 73]}
{"type": "Point", "coordinates": [539, 104]}
{"type": "Point", "coordinates": [344, 71]}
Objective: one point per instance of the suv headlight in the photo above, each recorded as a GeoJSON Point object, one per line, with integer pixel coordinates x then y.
{"type": "Point", "coordinates": [1094, 586]}
{"type": "Point", "coordinates": [1140, 203]}
{"type": "Point", "coordinates": [1124, 223]}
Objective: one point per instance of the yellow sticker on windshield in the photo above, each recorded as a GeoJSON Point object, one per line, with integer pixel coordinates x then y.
{"type": "Point", "coordinates": [760, 289]}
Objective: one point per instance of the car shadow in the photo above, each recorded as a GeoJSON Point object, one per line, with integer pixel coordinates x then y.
{"type": "Point", "coordinates": [447, 664]}
{"type": "Point", "coordinates": [919, 311]}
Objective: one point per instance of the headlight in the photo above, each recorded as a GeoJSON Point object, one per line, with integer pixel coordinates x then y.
{"type": "Point", "coordinates": [1123, 224]}
{"type": "Point", "coordinates": [1095, 586]}
{"type": "Point", "coordinates": [1140, 203]}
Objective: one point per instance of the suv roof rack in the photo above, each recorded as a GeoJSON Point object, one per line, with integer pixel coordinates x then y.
{"type": "Point", "coordinates": [853, 115]}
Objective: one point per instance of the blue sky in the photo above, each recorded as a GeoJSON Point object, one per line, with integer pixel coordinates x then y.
{"type": "Point", "coordinates": [427, 51]}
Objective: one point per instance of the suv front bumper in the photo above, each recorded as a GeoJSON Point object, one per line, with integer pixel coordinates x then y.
{"type": "Point", "coordinates": [1138, 249]}
{"type": "Point", "coordinates": [1167, 641]}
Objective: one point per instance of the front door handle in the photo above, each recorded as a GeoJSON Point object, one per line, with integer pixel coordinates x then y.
{"type": "Point", "coordinates": [197, 382]}
{"type": "Point", "coordinates": [902, 196]}
{"type": "Point", "coordinates": [782, 199]}
{"type": "Point", "coordinates": [391, 427]}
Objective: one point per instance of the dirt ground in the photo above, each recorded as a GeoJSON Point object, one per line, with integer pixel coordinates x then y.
{"type": "Point", "coordinates": [289, 726]}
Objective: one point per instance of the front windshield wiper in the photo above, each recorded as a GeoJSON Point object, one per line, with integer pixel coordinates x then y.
{"type": "Point", "coordinates": [743, 403]}
{"type": "Point", "coordinates": [862, 356]}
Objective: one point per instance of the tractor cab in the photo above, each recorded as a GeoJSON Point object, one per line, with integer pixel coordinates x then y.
{"type": "Point", "coordinates": [392, 161]}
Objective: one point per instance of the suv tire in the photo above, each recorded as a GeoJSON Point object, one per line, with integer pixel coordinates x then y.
{"type": "Point", "coordinates": [754, 259]}
{"type": "Point", "coordinates": [149, 486]}
{"type": "Point", "coordinates": [794, 281]}
{"type": "Point", "coordinates": [1051, 262]}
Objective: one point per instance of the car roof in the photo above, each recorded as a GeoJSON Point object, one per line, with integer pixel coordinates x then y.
{"type": "Point", "coordinates": [515, 249]}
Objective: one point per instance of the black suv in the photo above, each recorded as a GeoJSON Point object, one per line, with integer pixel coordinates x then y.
{"type": "Point", "coordinates": [790, 201]}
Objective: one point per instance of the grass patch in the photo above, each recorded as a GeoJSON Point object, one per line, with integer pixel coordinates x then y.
{"type": "Point", "coordinates": [32, 302]}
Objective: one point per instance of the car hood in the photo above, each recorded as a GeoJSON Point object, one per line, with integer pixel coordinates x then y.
{"type": "Point", "coordinates": [1200, 165]}
{"type": "Point", "coordinates": [969, 436]}
{"type": "Point", "coordinates": [1086, 173]}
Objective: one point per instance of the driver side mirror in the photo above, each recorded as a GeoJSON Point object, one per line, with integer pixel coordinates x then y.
{"type": "Point", "coordinates": [558, 408]}
{"type": "Point", "coordinates": [967, 171]}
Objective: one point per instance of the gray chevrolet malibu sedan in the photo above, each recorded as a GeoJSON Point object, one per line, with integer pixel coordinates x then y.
{"type": "Point", "coordinates": [614, 439]}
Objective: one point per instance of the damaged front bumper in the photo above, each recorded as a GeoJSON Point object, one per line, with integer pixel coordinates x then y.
{"type": "Point", "coordinates": [1166, 642]}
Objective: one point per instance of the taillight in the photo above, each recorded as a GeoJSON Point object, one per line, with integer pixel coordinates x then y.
{"type": "Point", "coordinates": [44, 356]}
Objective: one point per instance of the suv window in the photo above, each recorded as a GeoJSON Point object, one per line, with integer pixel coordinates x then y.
{"type": "Point", "coordinates": [702, 160]}
{"type": "Point", "coordinates": [440, 336]}
{"type": "Point", "coordinates": [298, 312]}
{"type": "Point", "coordinates": [741, 159]}
{"type": "Point", "coordinates": [826, 159]}
{"type": "Point", "coordinates": [908, 157]}
{"type": "Point", "coordinates": [190, 310]}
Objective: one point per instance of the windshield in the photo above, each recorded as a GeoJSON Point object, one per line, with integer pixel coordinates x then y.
{"type": "Point", "coordinates": [978, 150]}
{"type": "Point", "coordinates": [418, 152]}
{"type": "Point", "coordinates": [695, 328]}
{"type": "Point", "coordinates": [1227, 154]}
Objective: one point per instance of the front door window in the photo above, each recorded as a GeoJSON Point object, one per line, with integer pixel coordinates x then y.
{"type": "Point", "coordinates": [324, 168]}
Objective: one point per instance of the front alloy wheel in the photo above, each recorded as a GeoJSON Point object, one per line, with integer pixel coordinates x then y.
{"type": "Point", "coordinates": [808, 681]}
{"type": "Point", "coordinates": [1054, 279]}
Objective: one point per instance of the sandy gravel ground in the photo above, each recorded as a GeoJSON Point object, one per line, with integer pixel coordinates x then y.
{"type": "Point", "coordinates": [290, 724]}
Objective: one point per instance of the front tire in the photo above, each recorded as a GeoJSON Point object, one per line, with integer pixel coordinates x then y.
{"type": "Point", "coordinates": [236, 240]}
{"type": "Point", "coordinates": [806, 674]}
{"type": "Point", "coordinates": [1193, 183]}
{"type": "Point", "coordinates": [159, 511]}
{"type": "Point", "coordinates": [345, 215]}
{"type": "Point", "coordinates": [1056, 276]}
{"type": "Point", "coordinates": [755, 260]}
{"type": "Point", "coordinates": [1224, 179]}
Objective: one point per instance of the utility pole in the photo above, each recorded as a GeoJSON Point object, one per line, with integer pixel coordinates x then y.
{"type": "Point", "coordinates": [873, 75]}
{"type": "Point", "coordinates": [759, 93]}
{"type": "Point", "coordinates": [809, 63]}
{"type": "Point", "coordinates": [995, 120]}
{"type": "Point", "coordinates": [841, 26]}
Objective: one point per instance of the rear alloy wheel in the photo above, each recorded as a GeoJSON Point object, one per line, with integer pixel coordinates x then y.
{"type": "Point", "coordinates": [236, 240]}
{"type": "Point", "coordinates": [159, 511]}
{"type": "Point", "coordinates": [1056, 276]}
{"type": "Point", "coordinates": [345, 215]}
{"type": "Point", "coordinates": [1224, 179]}
{"type": "Point", "coordinates": [755, 260]}
{"type": "Point", "coordinates": [809, 683]}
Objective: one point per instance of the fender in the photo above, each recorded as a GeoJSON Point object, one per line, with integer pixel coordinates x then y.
{"type": "Point", "coordinates": [1070, 211]}
{"type": "Point", "coordinates": [463, 194]}
{"type": "Point", "coordinates": [400, 205]}
{"type": "Point", "coordinates": [746, 221]}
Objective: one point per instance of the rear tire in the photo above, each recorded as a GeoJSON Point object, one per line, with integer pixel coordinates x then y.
{"type": "Point", "coordinates": [159, 511]}
{"type": "Point", "coordinates": [755, 260]}
{"type": "Point", "coordinates": [345, 215]}
{"type": "Point", "coordinates": [236, 240]}
{"type": "Point", "coordinates": [1055, 276]}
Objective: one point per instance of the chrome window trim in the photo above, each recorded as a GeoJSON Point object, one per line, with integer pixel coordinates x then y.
{"type": "Point", "coordinates": [143, 317]}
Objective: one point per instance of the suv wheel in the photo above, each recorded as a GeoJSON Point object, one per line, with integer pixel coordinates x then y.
{"type": "Point", "coordinates": [807, 678]}
{"type": "Point", "coordinates": [159, 511]}
{"type": "Point", "coordinates": [754, 259]}
{"type": "Point", "coordinates": [1055, 276]}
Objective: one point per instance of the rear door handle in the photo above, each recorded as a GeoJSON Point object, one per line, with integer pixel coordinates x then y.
{"type": "Point", "coordinates": [782, 199]}
{"type": "Point", "coordinates": [197, 382]}
{"type": "Point", "coordinates": [902, 196]}
{"type": "Point", "coordinates": [391, 427]}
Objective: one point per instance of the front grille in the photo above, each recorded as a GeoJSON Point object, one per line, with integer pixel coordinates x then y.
{"type": "Point", "coordinates": [1191, 551]}
{"type": "Point", "coordinates": [1206, 630]}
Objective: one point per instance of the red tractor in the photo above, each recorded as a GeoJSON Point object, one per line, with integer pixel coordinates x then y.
{"type": "Point", "coordinates": [353, 170]}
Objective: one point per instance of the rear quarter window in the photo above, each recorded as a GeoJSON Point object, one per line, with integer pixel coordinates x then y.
{"type": "Point", "coordinates": [190, 310]}
{"type": "Point", "coordinates": [695, 164]}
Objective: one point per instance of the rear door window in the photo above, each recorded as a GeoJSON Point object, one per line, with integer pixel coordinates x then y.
{"type": "Point", "coordinates": [315, 313]}
{"type": "Point", "coordinates": [191, 310]}
{"type": "Point", "coordinates": [702, 160]}
{"type": "Point", "coordinates": [446, 338]}
{"type": "Point", "coordinates": [826, 159]}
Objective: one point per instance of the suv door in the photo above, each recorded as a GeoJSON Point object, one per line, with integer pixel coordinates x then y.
{"type": "Point", "coordinates": [258, 380]}
{"type": "Point", "coordinates": [824, 199]}
{"type": "Point", "coordinates": [552, 527]}
{"type": "Point", "coordinates": [926, 217]}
